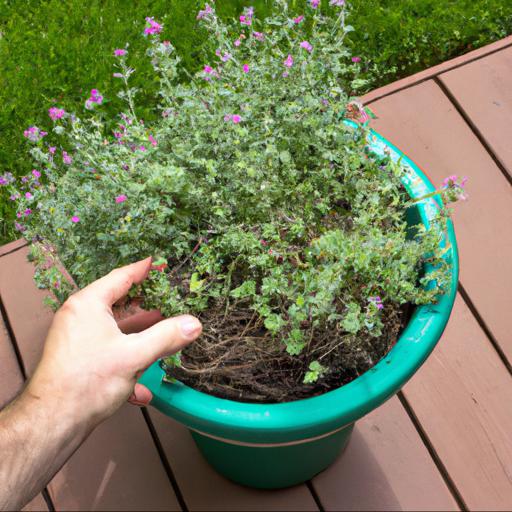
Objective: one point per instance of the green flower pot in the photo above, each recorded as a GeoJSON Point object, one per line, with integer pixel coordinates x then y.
{"type": "Point", "coordinates": [279, 445]}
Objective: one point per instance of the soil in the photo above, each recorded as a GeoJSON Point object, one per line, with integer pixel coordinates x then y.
{"type": "Point", "coordinates": [236, 357]}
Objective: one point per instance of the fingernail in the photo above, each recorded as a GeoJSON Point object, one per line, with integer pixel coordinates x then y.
{"type": "Point", "coordinates": [190, 326]}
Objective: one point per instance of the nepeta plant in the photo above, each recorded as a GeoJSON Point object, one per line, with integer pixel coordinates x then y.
{"type": "Point", "coordinates": [266, 216]}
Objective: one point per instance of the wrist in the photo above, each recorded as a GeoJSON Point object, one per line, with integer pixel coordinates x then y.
{"type": "Point", "coordinates": [51, 403]}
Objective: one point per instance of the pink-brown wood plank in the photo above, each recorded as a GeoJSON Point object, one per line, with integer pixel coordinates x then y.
{"type": "Point", "coordinates": [462, 397]}
{"type": "Point", "coordinates": [424, 124]}
{"type": "Point", "coordinates": [483, 89]}
{"type": "Point", "coordinates": [11, 379]}
{"type": "Point", "coordinates": [118, 467]}
{"type": "Point", "coordinates": [385, 467]}
{"type": "Point", "coordinates": [436, 70]}
{"type": "Point", "coordinates": [11, 382]}
{"type": "Point", "coordinates": [36, 505]}
{"type": "Point", "coordinates": [12, 246]}
{"type": "Point", "coordinates": [204, 489]}
{"type": "Point", "coordinates": [28, 317]}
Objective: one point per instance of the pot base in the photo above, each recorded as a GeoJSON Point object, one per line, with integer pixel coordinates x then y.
{"type": "Point", "coordinates": [272, 467]}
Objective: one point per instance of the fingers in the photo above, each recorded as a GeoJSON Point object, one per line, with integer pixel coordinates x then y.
{"type": "Point", "coordinates": [139, 321]}
{"type": "Point", "coordinates": [117, 283]}
{"type": "Point", "coordinates": [164, 338]}
{"type": "Point", "coordinates": [141, 395]}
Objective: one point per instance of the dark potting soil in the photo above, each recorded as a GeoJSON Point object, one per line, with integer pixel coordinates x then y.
{"type": "Point", "coordinates": [237, 358]}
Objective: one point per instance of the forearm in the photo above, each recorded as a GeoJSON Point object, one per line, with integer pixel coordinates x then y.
{"type": "Point", "coordinates": [37, 436]}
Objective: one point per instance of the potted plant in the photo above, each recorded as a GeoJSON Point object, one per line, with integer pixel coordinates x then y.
{"type": "Point", "coordinates": [319, 258]}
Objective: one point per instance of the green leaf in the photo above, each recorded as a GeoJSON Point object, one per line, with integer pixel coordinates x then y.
{"type": "Point", "coordinates": [316, 370]}
{"type": "Point", "coordinates": [274, 323]}
{"type": "Point", "coordinates": [246, 289]}
{"type": "Point", "coordinates": [195, 283]}
{"type": "Point", "coordinates": [351, 323]}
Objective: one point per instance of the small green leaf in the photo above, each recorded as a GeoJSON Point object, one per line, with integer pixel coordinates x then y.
{"type": "Point", "coordinates": [274, 323]}
{"type": "Point", "coordinates": [195, 283]}
{"type": "Point", "coordinates": [316, 370]}
{"type": "Point", "coordinates": [246, 289]}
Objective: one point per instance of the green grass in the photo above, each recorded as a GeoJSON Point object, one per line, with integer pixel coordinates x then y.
{"type": "Point", "coordinates": [55, 51]}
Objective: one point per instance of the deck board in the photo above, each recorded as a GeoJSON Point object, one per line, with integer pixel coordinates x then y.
{"type": "Point", "coordinates": [22, 300]}
{"type": "Point", "coordinates": [11, 379]}
{"type": "Point", "coordinates": [385, 467]}
{"type": "Point", "coordinates": [118, 467]}
{"type": "Point", "coordinates": [11, 382]}
{"type": "Point", "coordinates": [484, 90]}
{"type": "Point", "coordinates": [36, 505]}
{"type": "Point", "coordinates": [422, 121]}
{"type": "Point", "coordinates": [462, 396]}
{"type": "Point", "coordinates": [427, 74]}
{"type": "Point", "coordinates": [204, 489]}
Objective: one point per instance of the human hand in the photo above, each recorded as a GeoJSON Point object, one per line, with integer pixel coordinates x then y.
{"type": "Point", "coordinates": [90, 362]}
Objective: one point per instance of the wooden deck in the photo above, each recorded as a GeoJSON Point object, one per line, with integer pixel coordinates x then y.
{"type": "Point", "coordinates": [444, 443]}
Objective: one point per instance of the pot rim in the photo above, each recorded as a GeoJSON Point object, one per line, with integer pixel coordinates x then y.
{"type": "Point", "coordinates": [311, 417]}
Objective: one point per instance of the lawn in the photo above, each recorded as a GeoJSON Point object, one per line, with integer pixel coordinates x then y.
{"type": "Point", "coordinates": [53, 52]}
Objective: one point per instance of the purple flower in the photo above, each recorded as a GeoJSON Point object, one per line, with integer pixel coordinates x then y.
{"type": "Point", "coordinates": [455, 187]}
{"type": "Point", "coordinates": [237, 42]}
{"type": "Point", "coordinates": [207, 11]}
{"type": "Point", "coordinates": [34, 134]}
{"type": "Point", "coordinates": [246, 18]}
{"type": "Point", "coordinates": [337, 3]}
{"type": "Point", "coordinates": [36, 173]}
{"type": "Point", "coordinates": [245, 68]}
{"type": "Point", "coordinates": [19, 227]}
{"type": "Point", "coordinates": [208, 70]}
{"type": "Point", "coordinates": [356, 59]}
{"type": "Point", "coordinates": [56, 113]}
{"type": "Point", "coordinates": [3, 181]}
{"type": "Point", "coordinates": [75, 219]}
{"type": "Point", "coordinates": [14, 197]}
{"type": "Point", "coordinates": [314, 3]}
{"type": "Point", "coordinates": [66, 158]}
{"type": "Point", "coordinates": [377, 301]}
{"type": "Point", "coordinates": [24, 179]}
{"type": "Point", "coordinates": [225, 57]}
{"type": "Point", "coordinates": [94, 98]}
{"type": "Point", "coordinates": [27, 212]}
{"type": "Point", "coordinates": [258, 35]}
{"type": "Point", "coordinates": [152, 27]}
{"type": "Point", "coordinates": [235, 118]}
{"type": "Point", "coordinates": [285, 74]}
{"type": "Point", "coordinates": [121, 199]}
{"type": "Point", "coordinates": [119, 52]}
{"type": "Point", "coordinates": [306, 45]}
{"type": "Point", "coordinates": [288, 62]}
{"type": "Point", "coordinates": [28, 195]}
{"type": "Point", "coordinates": [152, 140]}
{"type": "Point", "coordinates": [298, 19]}
{"type": "Point", "coordinates": [52, 149]}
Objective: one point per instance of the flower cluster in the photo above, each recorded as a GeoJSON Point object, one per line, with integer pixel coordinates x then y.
{"type": "Point", "coordinates": [152, 27]}
{"type": "Point", "coordinates": [246, 18]}
{"type": "Point", "coordinates": [454, 188]}
{"type": "Point", "coordinates": [34, 134]}
{"type": "Point", "coordinates": [205, 13]}
{"type": "Point", "coordinates": [56, 113]}
{"type": "Point", "coordinates": [94, 99]}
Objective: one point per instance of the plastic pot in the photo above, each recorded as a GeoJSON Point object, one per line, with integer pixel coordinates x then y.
{"type": "Point", "coordinates": [279, 445]}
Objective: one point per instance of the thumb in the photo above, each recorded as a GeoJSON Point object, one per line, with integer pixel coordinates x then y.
{"type": "Point", "coordinates": [164, 338]}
